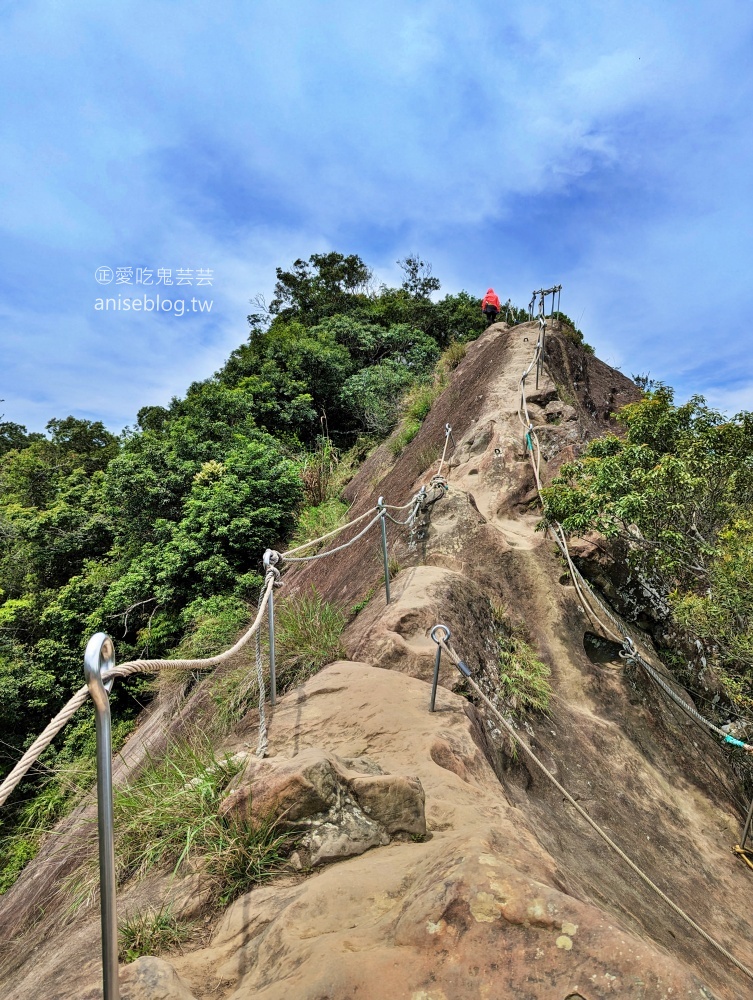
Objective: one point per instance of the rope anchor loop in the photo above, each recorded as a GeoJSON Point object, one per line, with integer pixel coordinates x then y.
{"type": "Point", "coordinates": [437, 661]}
{"type": "Point", "coordinates": [271, 560]}
{"type": "Point", "coordinates": [447, 634]}
{"type": "Point", "coordinates": [628, 652]}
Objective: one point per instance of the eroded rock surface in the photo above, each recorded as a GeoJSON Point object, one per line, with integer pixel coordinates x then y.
{"type": "Point", "coordinates": [343, 805]}
{"type": "Point", "coordinates": [507, 895]}
{"type": "Point", "coordinates": [151, 978]}
{"type": "Point", "coordinates": [476, 910]}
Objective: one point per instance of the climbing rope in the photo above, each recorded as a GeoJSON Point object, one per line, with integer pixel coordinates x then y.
{"type": "Point", "coordinates": [447, 436]}
{"type": "Point", "coordinates": [272, 560]}
{"type": "Point", "coordinates": [466, 672]}
{"type": "Point", "coordinates": [123, 670]}
{"type": "Point", "coordinates": [420, 501]}
{"type": "Point", "coordinates": [619, 633]}
{"type": "Point", "coordinates": [330, 552]}
{"type": "Point", "coordinates": [330, 534]}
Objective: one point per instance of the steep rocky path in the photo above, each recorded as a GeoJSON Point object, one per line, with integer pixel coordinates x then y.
{"type": "Point", "coordinates": [509, 894]}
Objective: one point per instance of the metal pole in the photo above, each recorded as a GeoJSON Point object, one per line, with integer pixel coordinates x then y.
{"type": "Point", "coordinates": [746, 828]}
{"type": "Point", "coordinates": [272, 674]}
{"type": "Point", "coordinates": [101, 652]}
{"type": "Point", "coordinates": [380, 504]}
{"type": "Point", "coordinates": [543, 344]}
{"type": "Point", "coordinates": [437, 658]}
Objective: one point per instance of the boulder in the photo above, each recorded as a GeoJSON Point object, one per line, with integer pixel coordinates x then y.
{"type": "Point", "coordinates": [342, 806]}
{"type": "Point", "coordinates": [150, 978]}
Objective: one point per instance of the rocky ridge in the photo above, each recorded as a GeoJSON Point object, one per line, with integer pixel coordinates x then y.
{"type": "Point", "coordinates": [442, 867]}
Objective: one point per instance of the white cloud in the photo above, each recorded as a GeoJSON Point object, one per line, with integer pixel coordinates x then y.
{"type": "Point", "coordinates": [602, 145]}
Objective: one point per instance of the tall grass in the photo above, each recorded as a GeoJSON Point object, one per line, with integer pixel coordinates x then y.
{"type": "Point", "coordinates": [523, 677]}
{"type": "Point", "coordinates": [307, 636]}
{"type": "Point", "coordinates": [167, 819]}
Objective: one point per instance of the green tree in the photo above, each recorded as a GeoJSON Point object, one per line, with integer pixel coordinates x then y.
{"type": "Point", "coordinates": [678, 490]}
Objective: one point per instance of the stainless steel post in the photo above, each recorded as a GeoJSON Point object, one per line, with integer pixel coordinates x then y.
{"type": "Point", "coordinates": [437, 660]}
{"type": "Point", "coordinates": [543, 346]}
{"type": "Point", "coordinates": [272, 673]}
{"type": "Point", "coordinates": [380, 504]}
{"type": "Point", "coordinates": [100, 653]}
{"type": "Point", "coordinates": [746, 828]}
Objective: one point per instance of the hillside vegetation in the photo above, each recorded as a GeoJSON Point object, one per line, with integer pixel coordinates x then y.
{"type": "Point", "coordinates": [155, 536]}
{"type": "Point", "coordinates": [677, 492]}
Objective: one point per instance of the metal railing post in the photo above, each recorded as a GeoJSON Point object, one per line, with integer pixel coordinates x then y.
{"type": "Point", "coordinates": [270, 560]}
{"type": "Point", "coordinates": [746, 828]}
{"type": "Point", "coordinates": [100, 653]}
{"type": "Point", "coordinates": [543, 346]}
{"type": "Point", "coordinates": [437, 660]}
{"type": "Point", "coordinates": [383, 512]}
{"type": "Point", "coordinates": [272, 671]}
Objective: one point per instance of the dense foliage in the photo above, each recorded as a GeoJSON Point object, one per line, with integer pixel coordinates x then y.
{"type": "Point", "coordinates": [156, 536]}
{"type": "Point", "coordinates": [678, 489]}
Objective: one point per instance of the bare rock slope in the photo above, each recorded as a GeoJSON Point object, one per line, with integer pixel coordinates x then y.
{"type": "Point", "coordinates": [507, 893]}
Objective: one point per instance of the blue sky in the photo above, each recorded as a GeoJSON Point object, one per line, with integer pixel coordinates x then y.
{"type": "Point", "coordinates": [603, 145]}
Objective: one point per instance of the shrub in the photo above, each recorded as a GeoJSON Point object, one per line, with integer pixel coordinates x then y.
{"type": "Point", "coordinates": [403, 437]}
{"type": "Point", "coordinates": [314, 522]}
{"type": "Point", "coordinates": [453, 355]}
{"type": "Point", "coordinates": [420, 400]}
{"type": "Point", "coordinates": [212, 625]}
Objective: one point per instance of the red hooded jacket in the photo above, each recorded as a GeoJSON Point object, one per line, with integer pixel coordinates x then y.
{"type": "Point", "coordinates": [490, 299]}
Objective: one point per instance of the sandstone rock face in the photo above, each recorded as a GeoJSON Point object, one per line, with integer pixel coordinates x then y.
{"type": "Point", "coordinates": [152, 979]}
{"type": "Point", "coordinates": [345, 805]}
{"type": "Point", "coordinates": [477, 910]}
{"type": "Point", "coordinates": [445, 868]}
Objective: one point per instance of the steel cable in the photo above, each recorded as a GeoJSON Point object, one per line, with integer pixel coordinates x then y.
{"type": "Point", "coordinates": [591, 822]}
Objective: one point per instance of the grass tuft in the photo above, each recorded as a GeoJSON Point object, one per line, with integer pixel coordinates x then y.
{"type": "Point", "coordinates": [248, 855]}
{"type": "Point", "coordinates": [307, 636]}
{"type": "Point", "coordinates": [403, 437]}
{"type": "Point", "coordinates": [149, 932]}
{"type": "Point", "coordinates": [167, 818]}
{"type": "Point", "coordinates": [523, 677]}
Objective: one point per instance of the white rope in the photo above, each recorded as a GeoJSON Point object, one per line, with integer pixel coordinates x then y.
{"type": "Point", "coordinates": [263, 744]}
{"type": "Point", "coordinates": [447, 436]}
{"type": "Point", "coordinates": [331, 534]}
{"type": "Point", "coordinates": [582, 585]}
{"type": "Point", "coordinates": [121, 670]}
{"type": "Point", "coordinates": [591, 822]}
{"type": "Point", "coordinates": [331, 552]}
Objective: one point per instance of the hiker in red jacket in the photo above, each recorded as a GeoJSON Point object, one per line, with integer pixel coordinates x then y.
{"type": "Point", "coordinates": [490, 306]}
